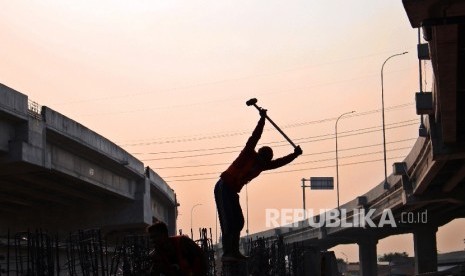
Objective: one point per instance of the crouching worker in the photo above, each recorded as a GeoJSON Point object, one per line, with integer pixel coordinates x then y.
{"type": "Point", "coordinates": [175, 255]}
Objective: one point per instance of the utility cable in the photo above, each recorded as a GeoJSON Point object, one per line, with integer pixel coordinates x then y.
{"type": "Point", "coordinates": [302, 141]}
{"type": "Point", "coordinates": [310, 154]}
{"type": "Point", "coordinates": [296, 164]}
{"type": "Point", "coordinates": [296, 170]}
{"type": "Point", "coordinates": [239, 133]}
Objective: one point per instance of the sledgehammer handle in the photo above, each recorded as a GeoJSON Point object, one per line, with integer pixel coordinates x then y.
{"type": "Point", "coordinates": [276, 126]}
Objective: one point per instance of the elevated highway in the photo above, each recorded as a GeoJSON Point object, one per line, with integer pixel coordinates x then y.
{"type": "Point", "coordinates": [427, 189]}
{"type": "Point", "coordinates": [58, 175]}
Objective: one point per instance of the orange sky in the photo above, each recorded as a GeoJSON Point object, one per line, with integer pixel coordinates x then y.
{"type": "Point", "coordinates": [168, 82]}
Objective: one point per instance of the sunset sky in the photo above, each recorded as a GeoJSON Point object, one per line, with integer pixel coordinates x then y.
{"type": "Point", "coordinates": [168, 82]}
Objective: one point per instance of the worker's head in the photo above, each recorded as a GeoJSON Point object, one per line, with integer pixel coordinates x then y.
{"type": "Point", "coordinates": [265, 154]}
{"type": "Point", "coordinates": [158, 233]}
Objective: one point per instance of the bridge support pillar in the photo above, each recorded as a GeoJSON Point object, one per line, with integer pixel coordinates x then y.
{"type": "Point", "coordinates": [426, 256]}
{"type": "Point", "coordinates": [367, 256]}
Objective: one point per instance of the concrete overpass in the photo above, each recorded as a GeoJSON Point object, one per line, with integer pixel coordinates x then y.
{"type": "Point", "coordinates": [58, 175]}
{"type": "Point", "coordinates": [431, 179]}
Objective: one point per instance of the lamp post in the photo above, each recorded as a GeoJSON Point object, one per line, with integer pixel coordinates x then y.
{"type": "Point", "coordinates": [337, 161]}
{"type": "Point", "coordinates": [386, 184]}
{"type": "Point", "coordinates": [192, 209]}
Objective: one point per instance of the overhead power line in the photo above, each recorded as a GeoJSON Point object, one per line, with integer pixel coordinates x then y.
{"type": "Point", "coordinates": [297, 170]}
{"type": "Point", "coordinates": [195, 138]}
{"type": "Point", "coordinates": [310, 154]}
{"type": "Point", "coordinates": [295, 164]}
{"type": "Point", "coordinates": [299, 140]}
{"type": "Point", "coordinates": [273, 142]}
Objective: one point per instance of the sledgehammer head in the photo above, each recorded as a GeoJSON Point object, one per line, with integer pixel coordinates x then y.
{"type": "Point", "coordinates": [250, 102]}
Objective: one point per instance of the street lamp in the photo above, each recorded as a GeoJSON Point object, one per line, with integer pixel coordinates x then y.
{"type": "Point", "coordinates": [386, 184]}
{"type": "Point", "coordinates": [192, 209]}
{"type": "Point", "coordinates": [337, 161]}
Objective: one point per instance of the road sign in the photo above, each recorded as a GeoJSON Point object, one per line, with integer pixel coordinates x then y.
{"type": "Point", "coordinates": [321, 183]}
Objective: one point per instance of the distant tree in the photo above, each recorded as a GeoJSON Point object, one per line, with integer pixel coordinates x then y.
{"type": "Point", "coordinates": [340, 261]}
{"type": "Point", "coordinates": [388, 257]}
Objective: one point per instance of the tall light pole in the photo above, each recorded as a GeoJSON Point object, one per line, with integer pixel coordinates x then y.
{"type": "Point", "coordinates": [386, 184]}
{"type": "Point", "coordinates": [337, 161]}
{"type": "Point", "coordinates": [192, 209]}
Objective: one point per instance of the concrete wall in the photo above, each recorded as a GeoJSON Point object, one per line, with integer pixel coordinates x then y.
{"type": "Point", "coordinates": [163, 203]}
{"type": "Point", "coordinates": [57, 174]}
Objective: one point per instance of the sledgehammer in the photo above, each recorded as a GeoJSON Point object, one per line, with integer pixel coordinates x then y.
{"type": "Point", "coordinates": [253, 102]}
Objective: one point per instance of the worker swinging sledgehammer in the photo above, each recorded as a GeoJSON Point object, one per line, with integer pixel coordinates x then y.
{"type": "Point", "coordinates": [248, 165]}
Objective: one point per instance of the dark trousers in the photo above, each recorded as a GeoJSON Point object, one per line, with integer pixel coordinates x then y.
{"type": "Point", "coordinates": [230, 215]}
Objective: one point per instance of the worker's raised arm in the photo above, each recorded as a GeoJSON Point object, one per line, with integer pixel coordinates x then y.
{"type": "Point", "coordinates": [257, 133]}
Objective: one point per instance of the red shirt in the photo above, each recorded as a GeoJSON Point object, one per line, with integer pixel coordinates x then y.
{"type": "Point", "coordinates": [248, 165]}
{"type": "Point", "coordinates": [183, 257]}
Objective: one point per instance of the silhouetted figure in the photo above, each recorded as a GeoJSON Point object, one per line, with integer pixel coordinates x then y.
{"type": "Point", "coordinates": [176, 255]}
{"type": "Point", "coordinates": [248, 165]}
